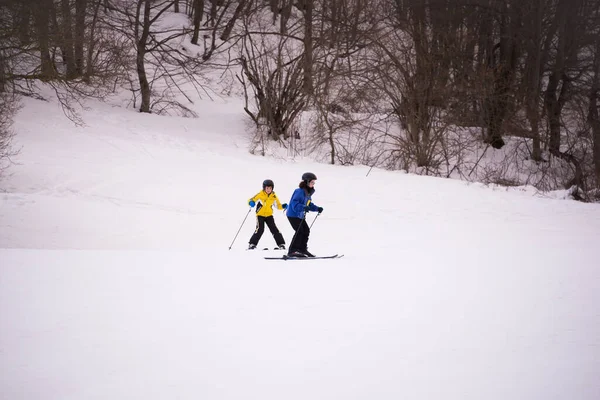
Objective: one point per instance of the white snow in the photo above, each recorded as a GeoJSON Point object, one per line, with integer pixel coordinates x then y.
{"type": "Point", "coordinates": [116, 281]}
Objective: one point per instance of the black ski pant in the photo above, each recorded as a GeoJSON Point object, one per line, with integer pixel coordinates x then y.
{"type": "Point", "coordinates": [300, 240]}
{"type": "Point", "coordinates": [260, 228]}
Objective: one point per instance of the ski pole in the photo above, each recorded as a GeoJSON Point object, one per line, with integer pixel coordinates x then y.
{"type": "Point", "coordinates": [236, 235]}
{"type": "Point", "coordinates": [311, 224]}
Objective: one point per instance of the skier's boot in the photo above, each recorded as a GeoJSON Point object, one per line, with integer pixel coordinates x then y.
{"type": "Point", "coordinates": [296, 254]}
{"type": "Point", "coordinates": [308, 253]}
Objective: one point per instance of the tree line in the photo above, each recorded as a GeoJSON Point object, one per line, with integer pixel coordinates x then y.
{"type": "Point", "coordinates": [402, 84]}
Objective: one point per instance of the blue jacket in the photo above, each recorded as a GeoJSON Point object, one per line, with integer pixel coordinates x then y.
{"type": "Point", "coordinates": [300, 198]}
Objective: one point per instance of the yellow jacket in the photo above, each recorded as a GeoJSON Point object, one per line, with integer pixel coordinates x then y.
{"type": "Point", "coordinates": [264, 203]}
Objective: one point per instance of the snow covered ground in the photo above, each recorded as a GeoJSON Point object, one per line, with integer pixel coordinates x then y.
{"type": "Point", "coordinates": [116, 281]}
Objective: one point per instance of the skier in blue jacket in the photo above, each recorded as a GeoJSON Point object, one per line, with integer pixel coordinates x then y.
{"type": "Point", "coordinates": [299, 205]}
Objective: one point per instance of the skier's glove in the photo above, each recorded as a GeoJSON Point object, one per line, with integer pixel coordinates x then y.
{"type": "Point", "coordinates": [306, 208]}
{"type": "Point", "coordinates": [320, 210]}
{"type": "Point", "coordinates": [251, 203]}
{"type": "Point", "coordinates": [284, 206]}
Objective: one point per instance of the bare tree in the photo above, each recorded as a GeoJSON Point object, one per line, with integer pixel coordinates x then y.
{"type": "Point", "coordinates": [161, 63]}
{"type": "Point", "coordinates": [336, 47]}
{"type": "Point", "coordinates": [41, 14]}
{"type": "Point", "coordinates": [8, 108]}
{"type": "Point", "coordinates": [536, 56]}
{"type": "Point", "coordinates": [523, 72]}
{"type": "Point", "coordinates": [503, 64]}
{"type": "Point", "coordinates": [236, 15]}
{"type": "Point", "coordinates": [407, 60]}
{"type": "Point", "coordinates": [67, 42]}
{"type": "Point", "coordinates": [141, 48]}
{"type": "Point", "coordinates": [275, 80]}
{"type": "Point", "coordinates": [594, 109]}
{"type": "Point", "coordinates": [272, 76]}
{"type": "Point", "coordinates": [307, 11]}
{"type": "Point", "coordinates": [79, 36]}
{"type": "Point", "coordinates": [559, 88]}
{"type": "Point", "coordinates": [198, 10]}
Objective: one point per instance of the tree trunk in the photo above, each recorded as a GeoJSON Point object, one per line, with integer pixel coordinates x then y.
{"type": "Point", "coordinates": [23, 28]}
{"type": "Point", "coordinates": [420, 84]}
{"type": "Point", "coordinates": [286, 12]}
{"type": "Point", "coordinates": [308, 46]}
{"type": "Point", "coordinates": [553, 111]}
{"type": "Point", "coordinates": [334, 23]}
{"type": "Point", "coordinates": [553, 103]}
{"type": "Point", "coordinates": [141, 52]}
{"type": "Point", "coordinates": [198, 11]}
{"type": "Point", "coordinates": [80, 11]}
{"type": "Point", "coordinates": [2, 73]}
{"type": "Point", "coordinates": [176, 4]}
{"type": "Point", "coordinates": [67, 40]}
{"type": "Point", "coordinates": [534, 121]}
{"type": "Point", "coordinates": [498, 103]}
{"type": "Point", "coordinates": [595, 124]}
{"type": "Point", "coordinates": [213, 13]}
{"type": "Point", "coordinates": [274, 7]}
{"type": "Point", "coordinates": [554, 106]}
{"type": "Point", "coordinates": [89, 71]}
{"type": "Point", "coordinates": [568, 29]}
{"type": "Point", "coordinates": [42, 22]}
{"type": "Point", "coordinates": [593, 112]}
{"type": "Point", "coordinates": [234, 18]}
{"type": "Point", "coordinates": [533, 85]}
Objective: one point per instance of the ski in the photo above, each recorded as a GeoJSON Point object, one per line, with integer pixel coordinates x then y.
{"type": "Point", "coordinates": [274, 248]}
{"type": "Point", "coordinates": [304, 258]}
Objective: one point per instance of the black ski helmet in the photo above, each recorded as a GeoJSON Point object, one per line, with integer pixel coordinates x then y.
{"type": "Point", "coordinates": [268, 182]}
{"type": "Point", "coordinates": [308, 176]}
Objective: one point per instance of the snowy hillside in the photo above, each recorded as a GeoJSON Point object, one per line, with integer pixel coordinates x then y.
{"type": "Point", "coordinates": [116, 281]}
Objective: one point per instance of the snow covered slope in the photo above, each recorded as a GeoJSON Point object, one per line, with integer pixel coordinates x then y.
{"type": "Point", "coordinates": [116, 280]}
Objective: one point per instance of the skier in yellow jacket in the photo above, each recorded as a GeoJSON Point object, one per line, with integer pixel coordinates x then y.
{"type": "Point", "coordinates": [264, 201]}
